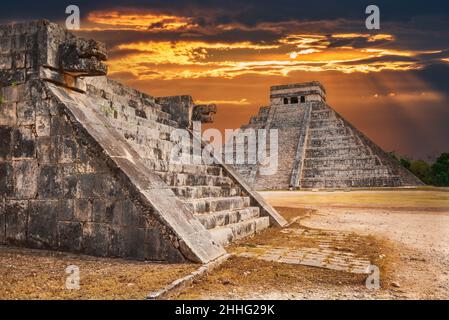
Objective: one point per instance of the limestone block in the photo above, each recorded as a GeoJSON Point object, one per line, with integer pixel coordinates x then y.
{"type": "Point", "coordinates": [6, 180]}
{"type": "Point", "coordinates": [16, 217]}
{"type": "Point", "coordinates": [23, 143]}
{"type": "Point", "coordinates": [70, 235]}
{"type": "Point", "coordinates": [8, 115]}
{"type": "Point", "coordinates": [5, 45]}
{"type": "Point", "coordinates": [50, 184]}
{"type": "Point", "coordinates": [25, 179]}
{"type": "Point", "coordinates": [66, 208]}
{"type": "Point", "coordinates": [5, 62]}
{"type": "Point", "coordinates": [5, 142]}
{"type": "Point", "coordinates": [25, 113]}
{"type": "Point", "coordinates": [2, 223]}
{"type": "Point", "coordinates": [96, 238]}
{"type": "Point", "coordinates": [83, 210]}
{"type": "Point", "coordinates": [42, 223]}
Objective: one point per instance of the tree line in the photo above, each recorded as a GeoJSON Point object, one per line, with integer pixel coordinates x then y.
{"type": "Point", "coordinates": [436, 173]}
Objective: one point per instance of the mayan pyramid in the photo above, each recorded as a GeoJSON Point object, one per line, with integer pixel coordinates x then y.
{"type": "Point", "coordinates": [317, 147]}
{"type": "Point", "coordinates": [85, 162]}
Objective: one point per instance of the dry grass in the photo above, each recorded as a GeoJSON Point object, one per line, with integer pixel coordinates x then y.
{"type": "Point", "coordinates": [38, 274]}
{"type": "Point", "coordinates": [240, 276]}
{"type": "Point", "coordinates": [426, 200]}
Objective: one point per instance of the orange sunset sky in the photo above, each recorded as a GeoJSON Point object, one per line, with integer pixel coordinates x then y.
{"type": "Point", "coordinates": [391, 83]}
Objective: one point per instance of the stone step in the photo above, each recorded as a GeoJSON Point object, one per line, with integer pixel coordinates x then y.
{"type": "Point", "coordinates": [346, 152]}
{"type": "Point", "coordinates": [330, 131]}
{"type": "Point", "coordinates": [341, 163]}
{"type": "Point", "coordinates": [232, 232]}
{"type": "Point", "coordinates": [189, 179]}
{"type": "Point", "coordinates": [317, 124]}
{"type": "Point", "coordinates": [139, 116]}
{"type": "Point", "coordinates": [329, 183]}
{"type": "Point", "coordinates": [349, 173]}
{"type": "Point", "coordinates": [322, 114]}
{"type": "Point", "coordinates": [223, 218]}
{"type": "Point", "coordinates": [337, 141]}
{"type": "Point", "coordinates": [195, 192]}
{"type": "Point", "coordinates": [213, 204]}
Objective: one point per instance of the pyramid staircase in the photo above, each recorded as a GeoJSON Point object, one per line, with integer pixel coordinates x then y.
{"type": "Point", "coordinates": [317, 147]}
{"type": "Point", "coordinates": [98, 161]}
{"type": "Point", "coordinates": [212, 196]}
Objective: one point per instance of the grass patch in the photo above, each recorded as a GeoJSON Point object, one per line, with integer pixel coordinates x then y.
{"type": "Point", "coordinates": [39, 274]}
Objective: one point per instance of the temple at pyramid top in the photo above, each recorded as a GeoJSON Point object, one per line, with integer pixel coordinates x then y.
{"type": "Point", "coordinates": [297, 93]}
{"type": "Point", "coordinates": [316, 148]}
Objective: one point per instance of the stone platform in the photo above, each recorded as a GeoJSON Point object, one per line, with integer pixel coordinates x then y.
{"type": "Point", "coordinates": [85, 162]}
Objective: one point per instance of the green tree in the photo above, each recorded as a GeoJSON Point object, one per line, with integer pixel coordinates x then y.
{"type": "Point", "coordinates": [406, 163]}
{"type": "Point", "coordinates": [422, 170]}
{"type": "Point", "coordinates": [440, 170]}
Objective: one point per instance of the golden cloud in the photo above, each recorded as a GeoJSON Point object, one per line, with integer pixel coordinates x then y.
{"type": "Point", "coordinates": [117, 20]}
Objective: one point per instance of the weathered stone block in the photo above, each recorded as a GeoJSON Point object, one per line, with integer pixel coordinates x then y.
{"type": "Point", "coordinates": [86, 187]}
{"type": "Point", "coordinates": [19, 60]}
{"type": "Point", "coordinates": [49, 182]}
{"type": "Point", "coordinates": [19, 42]}
{"type": "Point", "coordinates": [116, 240]}
{"type": "Point", "coordinates": [5, 142]}
{"type": "Point", "coordinates": [42, 224]}
{"type": "Point", "coordinates": [43, 150]}
{"type": "Point", "coordinates": [66, 209]}
{"type": "Point", "coordinates": [25, 179]}
{"type": "Point", "coordinates": [23, 143]}
{"type": "Point", "coordinates": [25, 113]}
{"type": "Point", "coordinates": [88, 162]}
{"type": "Point", "coordinates": [43, 125]}
{"type": "Point", "coordinates": [158, 248]}
{"type": "Point", "coordinates": [13, 93]}
{"type": "Point", "coordinates": [64, 148]}
{"type": "Point", "coordinates": [2, 223]}
{"type": "Point", "coordinates": [70, 235]}
{"type": "Point", "coordinates": [70, 185]}
{"type": "Point", "coordinates": [8, 114]}
{"type": "Point", "coordinates": [6, 180]}
{"type": "Point", "coordinates": [96, 238]}
{"type": "Point", "coordinates": [60, 126]}
{"type": "Point", "coordinates": [133, 239]}
{"type": "Point", "coordinates": [16, 219]}
{"type": "Point", "coordinates": [5, 61]}
{"type": "Point", "coordinates": [107, 211]}
{"type": "Point", "coordinates": [5, 45]}
{"type": "Point", "coordinates": [13, 76]}
{"type": "Point", "coordinates": [83, 210]}
{"type": "Point", "coordinates": [132, 217]}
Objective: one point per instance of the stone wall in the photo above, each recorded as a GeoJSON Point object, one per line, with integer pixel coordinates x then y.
{"type": "Point", "coordinates": [85, 162]}
{"type": "Point", "coordinates": [56, 191]}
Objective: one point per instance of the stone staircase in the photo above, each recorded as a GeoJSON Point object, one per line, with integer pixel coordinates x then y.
{"type": "Point", "coordinates": [212, 196]}
{"type": "Point", "coordinates": [317, 147]}
{"type": "Point", "coordinates": [337, 158]}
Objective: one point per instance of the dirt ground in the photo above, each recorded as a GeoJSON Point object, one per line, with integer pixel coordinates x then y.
{"type": "Point", "coordinates": [407, 229]}
{"type": "Point", "coordinates": [403, 232]}
{"type": "Point", "coordinates": [40, 274]}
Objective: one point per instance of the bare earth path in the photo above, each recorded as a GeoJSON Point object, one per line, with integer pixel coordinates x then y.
{"type": "Point", "coordinates": [404, 232]}
{"type": "Point", "coordinates": [417, 222]}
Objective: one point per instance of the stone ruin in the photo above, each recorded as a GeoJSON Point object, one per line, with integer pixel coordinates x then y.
{"type": "Point", "coordinates": [85, 161]}
{"type": "Point", "coordinates": [318, 148]}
